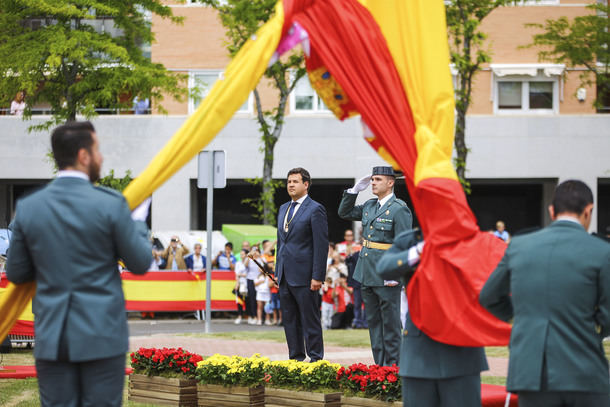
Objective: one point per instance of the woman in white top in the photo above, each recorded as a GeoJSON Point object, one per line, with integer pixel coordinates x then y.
{"type": "Point", "coordinates": [195, 261]}
{"type": "Point", "coordinates": [18, 104]}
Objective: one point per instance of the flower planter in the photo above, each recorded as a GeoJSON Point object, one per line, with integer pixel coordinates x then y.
{"type": "Point", "coordinates": [366, 402]}
{"type": "Point", "coordinates": [213, 395]}
{"type": "Point", "coordinates": [288, 398]}
{"type": "Point", "coordinates": [162, 390]}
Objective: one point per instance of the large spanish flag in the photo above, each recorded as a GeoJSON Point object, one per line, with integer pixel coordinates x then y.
{"type": "Point", "coordinates": [389, 62]}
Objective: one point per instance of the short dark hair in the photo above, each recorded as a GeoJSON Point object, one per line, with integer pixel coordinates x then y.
{"type": "Point", "coordinates": [229, 244]}
{"type": "Point", "coordinates": [304, 175]}
{"type": "Point", "coordinates": [571, 196]}
{"type": "Point", "coordinates": [68, 139]}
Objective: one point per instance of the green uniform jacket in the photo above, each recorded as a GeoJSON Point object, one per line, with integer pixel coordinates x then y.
{"type": "Point", "coordinates": [555, 283]}
{"type": "Point", "coordinates": [421, 356]}
{"type": "Point", "coordinates": [379, 226]}
{"type": "Point", "coordinates": [68, 237]}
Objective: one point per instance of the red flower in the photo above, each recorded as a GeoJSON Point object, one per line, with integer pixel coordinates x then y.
{"type": "Point", "coordinates": [392, 378]}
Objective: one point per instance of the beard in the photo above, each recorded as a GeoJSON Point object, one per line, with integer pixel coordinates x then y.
{"type": "Point", "coordinates": [94, 171]}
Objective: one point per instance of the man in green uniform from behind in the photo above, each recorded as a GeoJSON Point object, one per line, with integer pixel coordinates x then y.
{"type": "Point", "coordinates": [382, 218]}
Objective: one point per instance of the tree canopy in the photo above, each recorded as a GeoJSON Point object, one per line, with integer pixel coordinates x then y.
{"type": "Point", "coordinates": [241, 19]}
{"type": "Point", "coordinates": [468, 54]}
{"type": "Point", "coordinates": [81, 54]}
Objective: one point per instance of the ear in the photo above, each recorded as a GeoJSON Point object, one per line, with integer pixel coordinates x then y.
{"type": "Point", "coordinates": [588, 211]}
{"type": "Point", "coordinates": [552, 212]}
{"type": "Point", "coordinates": [83, 157]}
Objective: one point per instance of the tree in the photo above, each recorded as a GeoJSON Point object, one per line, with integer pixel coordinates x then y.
{"type": "Point", "coordinates": [241, 19]}
{"type": "Point", "coordinates": [466, 43]}
{"type": "Point", "coordinates": [582, 42]}
{"type": "Point", "coordinates": [61, 53]}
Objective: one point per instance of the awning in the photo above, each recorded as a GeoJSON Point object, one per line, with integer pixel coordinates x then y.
{"type": "Point", "coordinates": [548, 70]}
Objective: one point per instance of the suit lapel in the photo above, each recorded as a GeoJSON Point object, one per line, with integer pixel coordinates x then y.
{"type": "Point", "coordinates": [280, 224]}
{"type": "Point", "coordinates": [385, 206]}
{"type": "Point", "coordinates": [297, 215]}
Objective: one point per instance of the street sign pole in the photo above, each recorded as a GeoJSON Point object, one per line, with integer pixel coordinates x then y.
{"type": "Point", "coordinates": [208, 227]}
{"type": "Point", "coordinates": [211, 173]}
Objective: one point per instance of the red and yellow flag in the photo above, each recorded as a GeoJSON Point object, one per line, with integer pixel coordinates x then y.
{"type": "Point", "coordinates": [389, 62]}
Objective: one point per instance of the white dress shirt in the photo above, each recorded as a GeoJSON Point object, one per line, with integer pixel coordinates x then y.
{"type": "Point", "coordinates": [296, 208]}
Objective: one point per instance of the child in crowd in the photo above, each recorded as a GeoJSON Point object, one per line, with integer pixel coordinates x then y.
{"type": "Point", "coordinates": [263, 296]}
{"type": "Point", "coordinates": [241, 286]}
{"type": "Point", "coordinates": [342, 294]}
{"type": "Point", "coordinates": [328, 303]}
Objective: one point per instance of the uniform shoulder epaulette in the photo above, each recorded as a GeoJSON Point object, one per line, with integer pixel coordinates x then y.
{"type": "Point", "coordinates": [401, 202]}
{"type": "Point", "coordinates": [110, 191]}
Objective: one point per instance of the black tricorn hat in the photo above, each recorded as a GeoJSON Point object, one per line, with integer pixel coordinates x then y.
{"type": "Point", "coordinates": [382, 170]}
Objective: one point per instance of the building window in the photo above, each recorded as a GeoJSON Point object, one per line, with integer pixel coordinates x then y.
{"type": "Point", "coordinates": [526, 95]}
{"type": "Point", "coordinates": [303, 99]}
{"type": "Point", "coordinates": [523, 88]}
{"type": "Point", "coordinates": [200, 84]}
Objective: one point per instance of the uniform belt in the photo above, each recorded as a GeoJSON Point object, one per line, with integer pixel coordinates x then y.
{"type": "Point", "coordinates": [375, 245]}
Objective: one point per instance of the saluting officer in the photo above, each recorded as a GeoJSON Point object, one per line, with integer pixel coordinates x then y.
{"type": "Point", "coordinates": [382, 219]}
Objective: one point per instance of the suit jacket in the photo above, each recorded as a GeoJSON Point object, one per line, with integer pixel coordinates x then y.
{"type": "Point", "coordinates": [181, 251]}
{"type": "Point", "coordinates": [555, 283]}
{"type": "Point", "coordinates": [68, 238]}
{"type": "Point", "coordinates": [188, 261]}
{"type": "Point", "coordinates": [378, 225]}
{"type": "Point", "coordinates": [303, 250]}
{"type": "Point", "coordinates": [421, 356]}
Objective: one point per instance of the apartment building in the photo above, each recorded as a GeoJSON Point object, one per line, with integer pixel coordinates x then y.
{"type": "Point", "coordinates": [530, 126]}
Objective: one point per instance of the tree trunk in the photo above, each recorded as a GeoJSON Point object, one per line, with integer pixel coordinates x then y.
{"type": "Point", "coordinates": [460, 144]}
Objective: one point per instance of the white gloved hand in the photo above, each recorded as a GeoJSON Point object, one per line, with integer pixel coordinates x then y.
{"type": "Point", "coordinates": [360, 185]}
{"type": "Point", "coordinates": [141, 212]}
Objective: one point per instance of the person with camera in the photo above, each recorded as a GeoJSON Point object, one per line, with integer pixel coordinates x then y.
{"type": "Point", "coordinates": [174, 255]}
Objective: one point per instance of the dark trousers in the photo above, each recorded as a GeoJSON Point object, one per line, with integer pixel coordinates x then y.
{"type": "Point", "coordinates": [461, 391]}
{"type": "Point", "coordinates": [301, 319]}
{"type": "Point", "coordinates": [383, 316]}
{"type": "Point", "coordinates": [563, 399]}
{"type": "Point", "coordinates": [251, 300]}
{"type": "Point", "coordinates": [359, 312]}
{"type": "Point", "coordinates": [70, 384]}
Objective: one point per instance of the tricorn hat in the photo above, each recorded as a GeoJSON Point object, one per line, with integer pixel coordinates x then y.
{"type": "Point", "coordinates": [382, 170]}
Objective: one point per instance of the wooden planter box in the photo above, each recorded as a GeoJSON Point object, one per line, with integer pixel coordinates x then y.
{"type": "Point", "coordinates": [364, 402]}
{"type": "Point", "coordinates": [220, 396]}
{"type": "Point", "coordinates": [288, 398]}
{"type": "Point", "coordinates": [162, 390]}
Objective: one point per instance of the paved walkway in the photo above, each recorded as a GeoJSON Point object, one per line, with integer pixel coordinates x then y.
{"type": "Point", "coordinates": [273, 350]}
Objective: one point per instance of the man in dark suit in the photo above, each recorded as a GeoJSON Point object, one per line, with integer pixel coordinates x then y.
{"type": "Point", "coordinates": [68, 238]}
{"type": "Point", "coordinates": [302, 249]}
{"type": "Point", "coordinates": [433, 374]}
{"type": "Point", "coordinates": [382, 218]}
{"type": "Point", "coordinates": [555, 285]}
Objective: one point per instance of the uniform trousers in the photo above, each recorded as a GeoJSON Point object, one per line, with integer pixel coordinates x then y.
{"type": "Point", "coordinates": [461, 391]}
{"type": "Point", "coordinates": [81, 384]}
{"type": "Point", "coordinates": [382, 306]}
{"type": "Point", "coordinates": [563, 399]}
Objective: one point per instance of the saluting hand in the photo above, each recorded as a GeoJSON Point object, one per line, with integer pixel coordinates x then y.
{"type": "Point", "coordinates": [360, 185]}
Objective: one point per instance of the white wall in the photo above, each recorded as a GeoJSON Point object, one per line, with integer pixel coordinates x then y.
{"type": "Point", "coordinates": [501, 147]}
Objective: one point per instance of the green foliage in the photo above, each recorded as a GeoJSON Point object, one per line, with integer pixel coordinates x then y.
{"type": "Point", "coordinates": [468, 53]}
{"type": "Point", "coordinates": [241, 19]}
{"type": "Point", "coordinates": [585, 41]}
{"type": "Point", "coordinates": [52, 51]}
{"type": "Point", "coordinates": [118, 184]}
{"type": "Point", "coordinates": [267, 195]}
